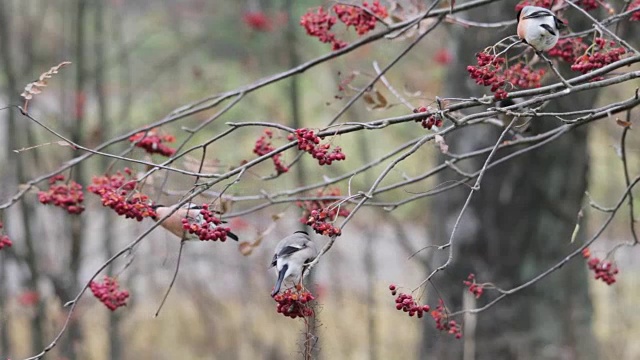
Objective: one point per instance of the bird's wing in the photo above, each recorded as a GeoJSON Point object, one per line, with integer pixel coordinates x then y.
{"type": "Point", "coordinates": [538, 14]}
{"type": "Point", "coordinates": [289, 249]}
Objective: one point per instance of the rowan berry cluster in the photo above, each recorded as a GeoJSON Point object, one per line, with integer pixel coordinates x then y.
{"type": "Point", "coordinates": [308, 141]}
{"type": "Point", "coordinates": [406, 303]}
{"type": "Point", "coordinates": [524, 77]}
{"type": "Point", "coordinates": [603, 270]}
{"type": "Point", "coordinates": [263, 146]}
{"type": "Point", "coordinates": [117, 192]}
{"type": "Point", "coordinates": [206, 225]}
{"type": "Point", "coordinates": [487, 72]}
{"type": "Point", "coordinates": [541, 3]}
{"type": "Point", "coordinates": [293, 304]}
{"type": "Point", "coordinates": [153, 143]}
{"type": "Point", "coordinates": [568, 49]}
{"type": "Point", "coordinates": [319, 214]}
{"type": "Point", "coordinates": [429, 121]}
{"type": "Point", "coordinates": [319, 23]}
{"type": "Point", "coordinates": [4, 239]}
{"type": "Point", "coordinates": [257, 20]}
{"type": "Point", "coordinates": [358, 17]}
{"type": "Point", "coordinates": [108, 293]}
{"type": "Point", "coordinates": [492, 71]}
{"type": "Point", "coordinates": [588, 5]}
{"type": "Point", "coordinates": [67, 196]}
{"type": "Point", "coordinates": [443, 323]}
{"type": "Point", "coordinates": [604, 53]}
{"type": "Point", "coordinates": [475, 288]}
{"type": "Point", "coordinates": [635, 5]}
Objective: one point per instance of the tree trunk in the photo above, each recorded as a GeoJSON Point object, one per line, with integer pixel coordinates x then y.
{"type": "Point", "coordinates": [517, 225]}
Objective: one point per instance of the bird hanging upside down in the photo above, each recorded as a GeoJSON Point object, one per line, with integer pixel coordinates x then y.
{"type": "Point", "coordinates": [291, 256]}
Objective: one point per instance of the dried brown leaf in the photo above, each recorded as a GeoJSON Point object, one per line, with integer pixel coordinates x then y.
{"type": "Point", "coordinates": [245, 248]}
{"type": "Point", "coordinates": [368, 99]}
{"type": "Point", "coordinates": [382, 101]}
{"type": "Point", "coordinates": [623, 123]}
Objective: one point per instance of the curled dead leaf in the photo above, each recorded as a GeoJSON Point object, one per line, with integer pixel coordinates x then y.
{"type": "Point", "coordinates": [245, 248]}
{"type": "Point", "coordinates": [623, 123]}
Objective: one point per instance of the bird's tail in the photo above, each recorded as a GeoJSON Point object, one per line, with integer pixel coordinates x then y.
{"type": "Point", "coordinates": [281, 274]}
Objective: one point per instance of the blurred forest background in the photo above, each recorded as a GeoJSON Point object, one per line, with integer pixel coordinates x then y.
{"type": "Point", "coordinates": [136, 61]}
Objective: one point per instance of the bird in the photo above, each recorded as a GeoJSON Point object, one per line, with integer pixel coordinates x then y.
{"type": "Point", "coordinates": [174, 222]}
{"type": "Point", "coordinates": [539, 27]}
{"type": "Point", "coordinates": [291, 256]}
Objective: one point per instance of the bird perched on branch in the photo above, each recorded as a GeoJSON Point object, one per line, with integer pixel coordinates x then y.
{"type": "Point", "coordinates": [291, 256]}
{"type": "Point", "coordinates": [539, 27]}
{"type": "Point", "coordinates": [193, 214]}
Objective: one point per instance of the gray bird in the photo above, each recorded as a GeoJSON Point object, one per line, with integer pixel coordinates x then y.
{"type": "Point", "coordinates": [291, 255]}
{"type": "Point", "coordinates": [539, 27]}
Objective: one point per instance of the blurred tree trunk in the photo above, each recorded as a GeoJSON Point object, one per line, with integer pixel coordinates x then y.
{"type": "Point", "coordinates": [518, 224]}
{"type": "Point", "coordinates": [16, 167]}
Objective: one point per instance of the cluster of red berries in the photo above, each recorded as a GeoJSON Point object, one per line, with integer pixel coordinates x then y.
{"type": "Point", "coordinates": [603, 270]}
{"type": "Point", "coordinates": [206, 226]}
{"type": "Point", "coordinates": [490, 71]}
{"type": "Point", "coordinates": [308, 141]}
{"type": "Point", "coordinates": [263, 146]}
{"type": "Point", "coordinates": [523, 76]}
{"type": "Point", "coordinates": [116, 193]}
{"type": "Point", "coordinates": [588, 5]}
{"type": "Point", "coordinates": [293, 304]}
{"type": "Point", "coordinates": [67, 196]}
{"type": "Point", "coordinates": [358, 17]}
{"type": "Point", "coordinates": [320, 213]}
{"type": "Point", "coordinates": [475, 288]}
{"type": "Point", "coordinates": [108, 293]}
{"type": "Point", "coordinates": [487, 72]}
{"type": "Point", "coordinates": [605, 53]}
{"type": "Point", "coordinates": [429, 121]}
{"type": "Point", "coordinates": [319, 23]}
{"type": "Point", "coordinates": [635, 5]}
{"type": "Point", "coordinates": [443, 323]}
{"type": "Point", "coordinates": [318, 222]}
{"type": "Point", "coordinates": [4, 239]}
{"type": "Point", "coordinates": [406, 303]}
{"type": "Point", "coordinates": [257, 20]}
{"type": "Point", "coordinates": [568, 49]}
{"type": "Point", "coordinates": [541, 3]}
{"type": "Point", "coordinates": [153, 143]}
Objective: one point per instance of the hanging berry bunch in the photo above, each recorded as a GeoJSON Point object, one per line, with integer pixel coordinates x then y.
{"type": "Point", "coordinates": [603, 270]}
{"type": "Point", "coordinates": [635, 5]}
{"type": "Point", "coordinates": [4, 239]}
{"type": "Point", "coordinates": [476, 289]}
{"type": "Point", "coordinates": [263, 146]}
{"type": "Point", "coordinates": [68, 196]}
{"type": "Point", "coordinates": [206, 225]}
{"type": "Point", "coordinates": [308, 141]}
{"type": "Point", "coordinates": [153, 143]}
{"type": "Point", "coordinates": [118, 192]}
{"type": "Point", "coordinates": [363, 18]}
{"type": "Point", "coordinates": [492, 71]}
{"type": "Point", "coordinates": [429, 121]}
{"type": "Point", "coordinates": [109, 293]}
{"type": "Point", "coordinates": [320, 214]}
{"type": "Point", "coordinates": [568, 49]}
{"type": "Point", "coordinates": [443, 323]}
{"type": "Point", "coordinates": [406, 303]}
{"type": "Point", "coordinates": [602, 53]}
{"type": "Point", "coordinates": [294, 304]}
